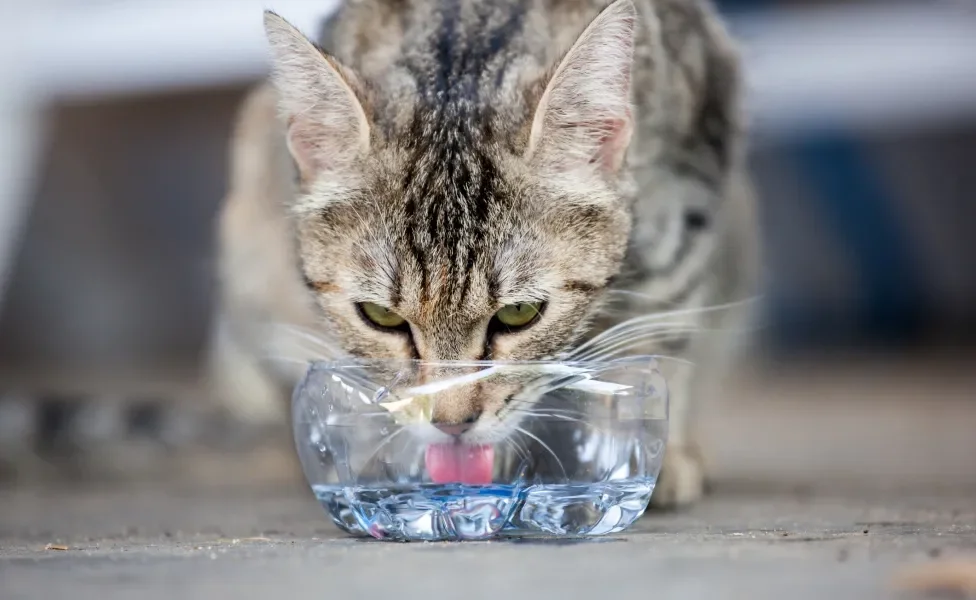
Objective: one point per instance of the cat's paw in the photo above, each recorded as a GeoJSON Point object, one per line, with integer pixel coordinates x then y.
{"type": "Point", "coordinates": [682, 479]}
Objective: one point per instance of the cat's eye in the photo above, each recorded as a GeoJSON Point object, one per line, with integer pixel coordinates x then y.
{"type": "Point", "coordinates": [381, 316]}
{"type": "Point", "coordinates": [519, 315]}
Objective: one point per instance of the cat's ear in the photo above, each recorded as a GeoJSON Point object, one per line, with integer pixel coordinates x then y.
{"type": "Point", "coordinates": [584, 116]}
{"type": "Point", "coordinates": [327, 127]}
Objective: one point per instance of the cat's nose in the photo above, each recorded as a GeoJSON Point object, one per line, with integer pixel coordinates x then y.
{"type": "Point", "coordinates": [455, 428]}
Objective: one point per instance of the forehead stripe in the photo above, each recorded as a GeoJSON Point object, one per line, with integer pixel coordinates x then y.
{"type": "Point", "coordinates": [582, 286]}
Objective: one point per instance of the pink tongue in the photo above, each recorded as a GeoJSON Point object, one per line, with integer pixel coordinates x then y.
{"type": "Point", "coordinates": [459, 463]}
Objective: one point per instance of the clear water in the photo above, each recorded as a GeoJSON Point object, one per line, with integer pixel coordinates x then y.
{"type": "Point", "coordinates": [469, 512]}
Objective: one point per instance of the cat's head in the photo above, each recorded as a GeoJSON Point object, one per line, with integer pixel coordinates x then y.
{"type": "Point", "coordinates": [432, 225]}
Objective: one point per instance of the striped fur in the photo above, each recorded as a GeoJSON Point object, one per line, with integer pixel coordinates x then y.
{"type": "Point", "coordinates": [451, 156]}
{"type": "Point", "coordinates": [446, 157]}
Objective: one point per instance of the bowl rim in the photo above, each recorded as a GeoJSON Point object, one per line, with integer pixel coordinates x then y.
{"type": "Point", "coordinates": [650, 361]}
{"type": "Point", "coordinates": [646, 365]}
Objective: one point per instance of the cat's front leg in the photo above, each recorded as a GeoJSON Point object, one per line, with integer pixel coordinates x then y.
{"type": "Point", "coordinates": [682, 478]}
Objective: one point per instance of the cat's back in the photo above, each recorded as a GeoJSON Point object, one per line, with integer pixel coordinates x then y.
{"type": "Point", "coordinates": [377, 37]}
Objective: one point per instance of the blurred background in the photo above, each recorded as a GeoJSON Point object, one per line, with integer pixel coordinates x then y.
{"type": "Point", "coordinates": [114, 125]}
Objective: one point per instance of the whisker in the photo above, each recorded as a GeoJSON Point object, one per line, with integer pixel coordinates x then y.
{"type": "Point", "coordinates": [301, 352]}
{"type": "Point", "coordinates": [348, 377]}
{"type": "Point", "coordinates": [308, 335]}
{"type": "Point", "coordinates": [543, 386]}
{"type": "Point", "coordinates": [566, 411]}
{"type": "Point", "coordinates": [626, 328]}
{"type": "Point", "coordinates": [634, 348]}
{"type": "Point", "coordinates": [628, 296]}
{"type": "Point", "coordinates": [648, 335]}
{"type": "Point", "coordinates": [635, 330]}
{"type": "Point", "coordinates": [285, 359]}
{"type": "Point", "coordinates": [660, 316]}
{"type": "Point", "coordinates": [375, 415]}
{"type": "Point", "coordinates": [525, 432]}
{"type": "Point", "coordinates": [383, 444]}
{"type": "Point", "coordinates": [600, 352]}
{"type": "Point", "coordinates": [628, 339]}
{"type": "Point", "coordinates": [678, 359]}
{"type": "Point", "coordinates": [522, 453]}
{"type": "Point", "coordinates": [643, 322]}
{"type": "Point", "coordinates": [365, 385]}
{"type": "Point", "coordinates": [570, 419]}
{"type": "Point", "coordinates": [649, 298]}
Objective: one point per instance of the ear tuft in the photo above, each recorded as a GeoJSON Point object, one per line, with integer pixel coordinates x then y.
{"type": "Point", "coordinates": [327, 127]}
{"type": "Point", "coordinates": [584, 118]}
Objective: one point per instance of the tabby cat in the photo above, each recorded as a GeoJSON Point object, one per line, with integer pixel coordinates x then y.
{"type": "Point", "coordinates": [504, 179]}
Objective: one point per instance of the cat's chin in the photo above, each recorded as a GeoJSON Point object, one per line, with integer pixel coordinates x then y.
{"type": "Point", "coordinates": [428, 435]}
{"type": "Point", "coordinates": [479, 435]}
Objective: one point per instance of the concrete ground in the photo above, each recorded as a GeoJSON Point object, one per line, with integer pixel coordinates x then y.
{"type": "Point", "coordinates": [245, 543]}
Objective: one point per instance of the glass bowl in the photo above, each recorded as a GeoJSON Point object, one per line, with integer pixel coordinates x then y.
{"type": "Point", "coordinates": [414, 450]}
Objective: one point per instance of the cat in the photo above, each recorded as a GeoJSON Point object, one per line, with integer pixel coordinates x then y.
{"type": "Point", "coordinates": [462, 180]}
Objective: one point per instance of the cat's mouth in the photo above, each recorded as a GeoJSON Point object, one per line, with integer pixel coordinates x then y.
{"type": "Point", "coordinates": [455, 462]}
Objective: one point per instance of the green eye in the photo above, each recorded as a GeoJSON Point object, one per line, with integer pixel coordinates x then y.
{"type": "Point", "coordinates": [380, 315]}
{"type": "Point", "coordinates": [518, 315]}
